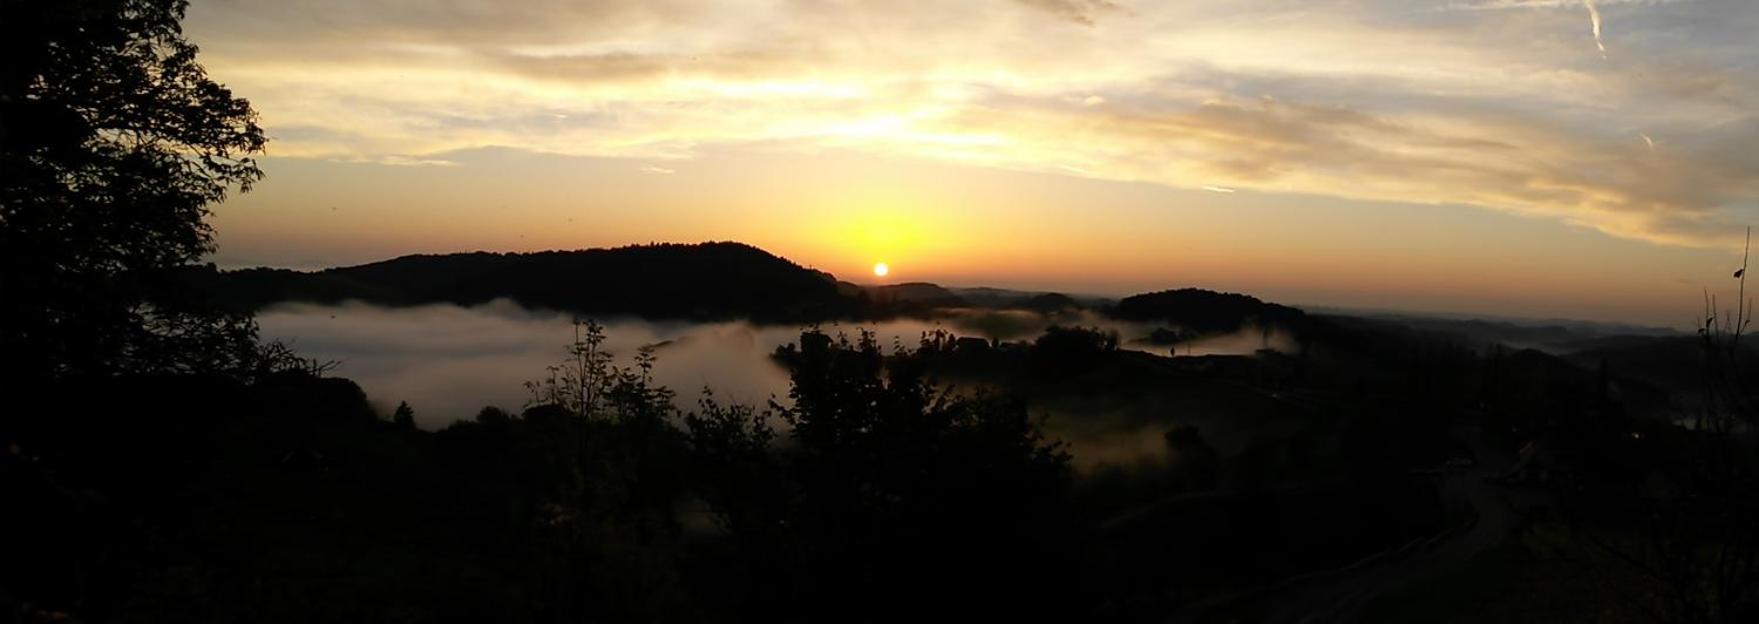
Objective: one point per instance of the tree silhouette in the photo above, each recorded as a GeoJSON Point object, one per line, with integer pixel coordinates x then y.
{"type": "Point", "coordinates": [114, 143]}
{"type": "Point", "coordinates": [404, 416]}
{"type": "Point", "coordinates": [891, 494]}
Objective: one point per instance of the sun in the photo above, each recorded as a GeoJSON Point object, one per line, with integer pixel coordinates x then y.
{"type": "Point", "coordinates": [880, 269]}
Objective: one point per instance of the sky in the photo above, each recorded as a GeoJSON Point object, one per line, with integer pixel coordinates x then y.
{"type": "Point", "coordinates": [1535, 158]}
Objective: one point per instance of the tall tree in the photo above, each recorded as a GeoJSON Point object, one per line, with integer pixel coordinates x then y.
{"type": "Point", "coordinates": [114, 143]}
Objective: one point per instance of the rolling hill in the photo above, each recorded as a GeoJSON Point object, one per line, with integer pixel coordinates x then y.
{"type": "Point", "coordinates": [715, 280]}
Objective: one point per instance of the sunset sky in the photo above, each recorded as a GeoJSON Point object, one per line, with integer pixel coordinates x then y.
{"type": "Point", "coordinates": [1536, 158]}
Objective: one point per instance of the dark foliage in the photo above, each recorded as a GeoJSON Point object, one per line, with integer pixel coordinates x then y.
{"type": "Point", "coordinates": [874, 495]}
{"type": "Point", "coordinates": [907, 298]}
{"type": "Point", "coordinates": [157, 464]}
{"type": "Point", "coordinates": [1050, 303]}
{"type": "Point", "coordinates": [288, 499]}
{"type": "Point", "coordinates": [404, 416]}
{"type": "Point", "coordinates": [1671, 512]}
{"type": "Point", "coordinates": [113, 145]}
{"type": "Point", "coordinates": [189, 498]}
{"type": "Point", "coordinates": [1204, 311]}
{"type": "Point", "coordinates": [702, 281]}
{"type": "Point", "coordinates": [896, 498]}
{"type": "Point", "coordinates": [1063, 351]}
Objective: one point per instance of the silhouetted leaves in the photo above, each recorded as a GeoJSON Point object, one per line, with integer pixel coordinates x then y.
{"type": "Point", "coordinates": [404, 416]}
{"type": "Point", "coordinates": [113, 145]}
{"type": "Point", "coordinates": [895, 495]}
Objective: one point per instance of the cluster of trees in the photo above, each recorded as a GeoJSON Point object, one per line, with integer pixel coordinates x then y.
{"type": "Point", "coordinates": [873, 496]}
{"type": "Point", "coordinates": [870, 495]}
{"type": "Point", "coordinates": [1205, 311]}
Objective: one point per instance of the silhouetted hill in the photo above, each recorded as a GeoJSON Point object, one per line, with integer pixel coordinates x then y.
{"type": "Point", "coordinates": [1550, 335]}
{"type": "Point", "coordinates": [907, 298]}
{"type": "Point", "coordinates": [1673, 363]}
{"type": "Point", "coordinates": [922, 293]}
{"type": "Point", "coordinates": [1204, 311]}
{"type": "Point", "coordinates": [701, 281]}
{"type": "Point", "coordinates": [1050, 302]}
{"type": "Point", "coordinates": [1003, 298]}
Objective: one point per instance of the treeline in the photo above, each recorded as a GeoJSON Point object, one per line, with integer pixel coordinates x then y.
{"type": "Point", "coordinates": [872, 496]}
{"type": "Point", "coordinates": [874, 493]}
{"type": "Point", "coordinates": [1202, 311]}
{"type": "Point", "coordinates": [705, 281]}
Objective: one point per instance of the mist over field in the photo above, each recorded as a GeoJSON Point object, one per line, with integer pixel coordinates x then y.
{"type": "Point", "coordinates": [450, 361]}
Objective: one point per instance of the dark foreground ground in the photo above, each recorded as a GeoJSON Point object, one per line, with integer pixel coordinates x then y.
{"type": "Point", "coordinates": [1381, 482]}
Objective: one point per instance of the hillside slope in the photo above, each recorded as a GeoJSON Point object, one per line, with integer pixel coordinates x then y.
{"type": "Point", "coordinates": [701, 281]}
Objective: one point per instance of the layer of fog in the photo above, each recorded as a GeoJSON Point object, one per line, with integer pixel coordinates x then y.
{"type": "Point", "coordinates": [448, 361]}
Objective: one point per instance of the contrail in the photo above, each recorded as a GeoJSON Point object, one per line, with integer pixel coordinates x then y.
{"type": "Point", "coordinates": [1594, 19]}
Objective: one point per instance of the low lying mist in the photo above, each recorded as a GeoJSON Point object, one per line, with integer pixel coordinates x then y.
{"type": "Point", "coordinates": [448, 361]}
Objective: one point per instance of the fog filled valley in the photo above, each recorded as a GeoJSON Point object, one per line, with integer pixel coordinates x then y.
{"type": "Point", "coordinates": [1314, 312]}
{"type": "Point", "coordinates": [448, 362]}
{"type": "Point", "coordinates": [1188, 453]}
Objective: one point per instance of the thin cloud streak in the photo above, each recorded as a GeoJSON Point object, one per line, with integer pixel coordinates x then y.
{"type": "Point", "coordinates": [1594, 22]}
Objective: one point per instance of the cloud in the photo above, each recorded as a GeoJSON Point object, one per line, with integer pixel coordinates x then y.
{"type": "Point", "coordinates": [1082, 12]}
{"type": "Point", "coordinates": [1693, 195]}
{"type": "Point", "coordinates": [1496, 5]}
{"type": "Point", "coordinates": [1594, 23]}
{"type": "Point", "coordinates": [1496, 103]}
{"type": "Point", "coordinates": [398, 160]}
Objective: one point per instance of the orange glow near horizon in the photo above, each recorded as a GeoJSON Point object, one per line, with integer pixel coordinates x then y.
{"type": "Point", "coordinates": [1504, 166]}
{"type": "Point", "coordinates": [973, 226]}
